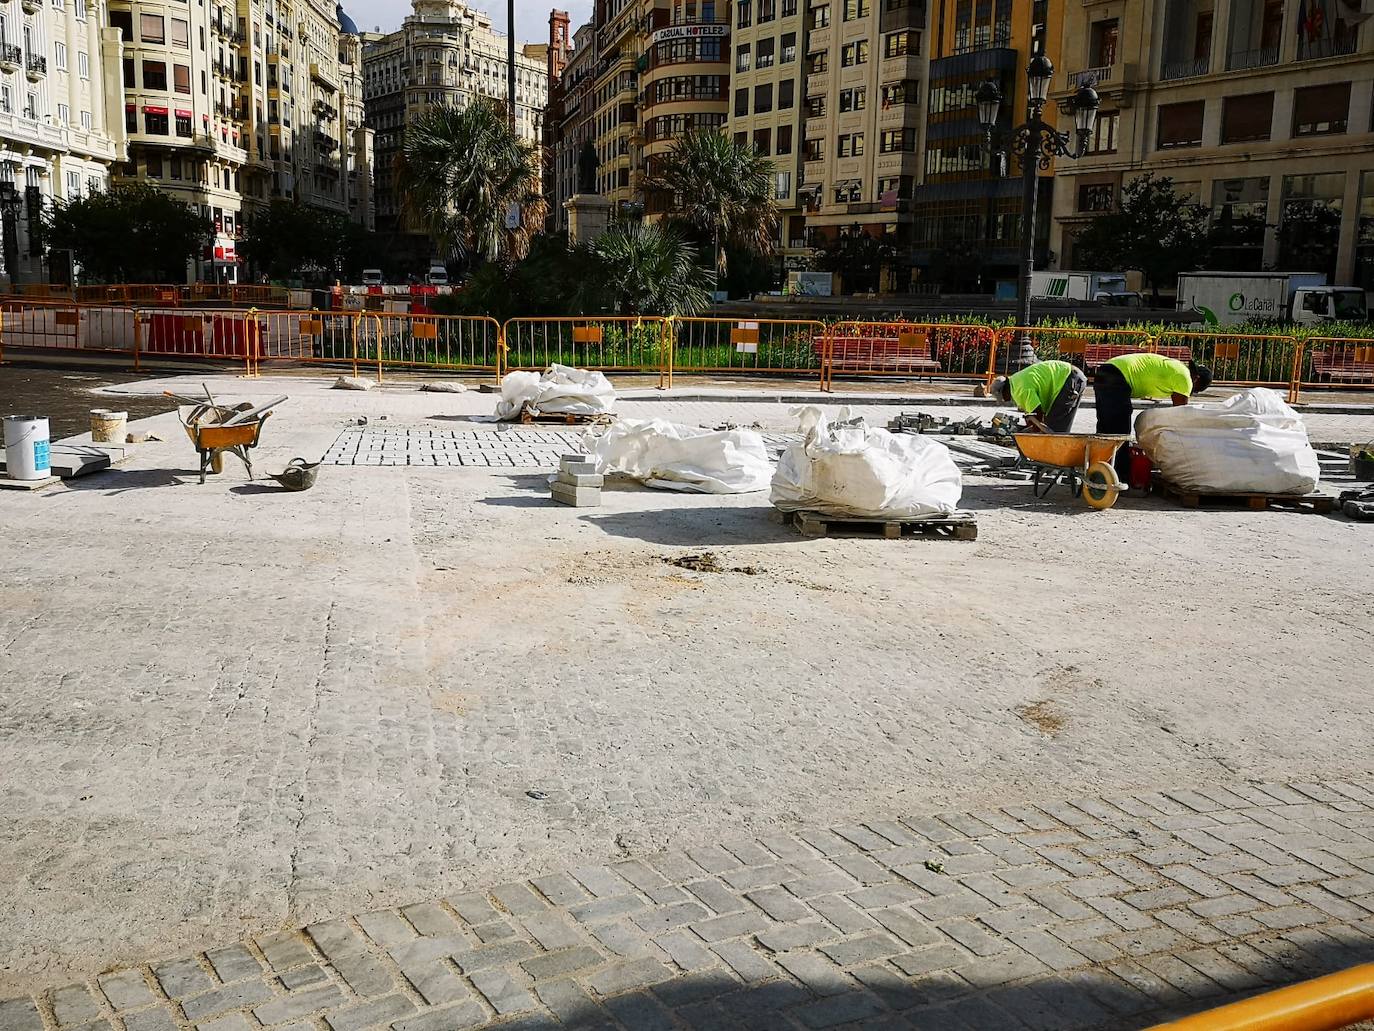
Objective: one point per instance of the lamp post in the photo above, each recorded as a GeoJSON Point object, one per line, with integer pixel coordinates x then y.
{"type": "Point", "coordinates": [1035, 143]}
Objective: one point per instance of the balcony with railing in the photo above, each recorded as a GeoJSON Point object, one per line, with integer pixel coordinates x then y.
{"type": "Point", "coordinates": [11, 57]}
{"type": "Point", "coordinates": [1185, 69]}
{"type": "Point", "coordinates": [1089, 76]}
{"type": "Point", "coordinates": [999, 39]}
{"type": "Point", "coordinates": [36, 67]}
{"type": "Point", "coordinates": [1260, 57]}
{"type": "Point", "coordinates": [912, 16]}
{"type": "Point", "coordinates": [1336, 45]}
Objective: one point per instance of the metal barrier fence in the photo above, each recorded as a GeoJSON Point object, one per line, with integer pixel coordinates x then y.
{"type": "Point", "coordinates": [1237, 359]}
{"type": "Point", "coordinates": [1084, 347]}
{"type": "Point", "coordinates": [769, 346]}
{"type": "Point", "coordinates": [433, 341]}
{"type": "Point", "coordinates": [906, 350]}
{"type": "Point", "coordinates": [619, 343]}
{"type": "Point", "coordinates": [1334, 362]}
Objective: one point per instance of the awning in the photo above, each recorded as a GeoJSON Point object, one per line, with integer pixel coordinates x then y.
{"type": "Point", "coordinates": [147, 110]}
{"type": "Point", "coordinates": [183, 113]}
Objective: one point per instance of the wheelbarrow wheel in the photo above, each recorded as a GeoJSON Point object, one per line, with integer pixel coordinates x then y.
{"type": "Point", "coordinates": [1100, 485]}
{"type": "Point", "coordinates": [217, 461]}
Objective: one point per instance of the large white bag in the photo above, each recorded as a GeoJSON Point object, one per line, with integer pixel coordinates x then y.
{"type": "Point", "coordinates": [559, 390]}
{"type": "Point", "coordinates": [663, 454]}
{"type": "Point", "coordinates": [1251, 442]}
{"type": "Point", "coordinates": [849, 468]}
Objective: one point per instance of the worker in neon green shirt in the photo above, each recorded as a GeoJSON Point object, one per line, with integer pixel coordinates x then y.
{"type": "Point", "coordinates": [1049, 392]}
{"type": "Point", "coordinates": [1146, 375]}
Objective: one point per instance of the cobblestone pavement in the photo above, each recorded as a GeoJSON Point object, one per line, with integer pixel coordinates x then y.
{"type": "Point", "coordinates": [1092, 913]}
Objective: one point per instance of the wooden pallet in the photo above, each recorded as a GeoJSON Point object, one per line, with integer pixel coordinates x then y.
{"type": "Point", "coordinates": [1315, 502]}
{"type": "Point", "coordinates": [961, 526]}
{"type": "Point", "coordinates": [557, 418]}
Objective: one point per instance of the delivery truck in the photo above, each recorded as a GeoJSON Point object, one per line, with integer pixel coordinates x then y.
{"type": "Point", "coordinates": [1229, 298]}
{"type": "Point", "coordinates": [1109, 287]}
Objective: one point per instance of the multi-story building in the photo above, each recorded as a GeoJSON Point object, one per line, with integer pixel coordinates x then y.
{"type": "Point", "coordinates": [767, 87]}
{"type": "Point", "coordinates": [967, 206]}
{"type": "Point", "coordinates": [56, 103]}
{"type": "Point", "coordinates": [228, 106]}
{"type": "Point", "coordinates": [865, 72]}
{"type": "Point", "coordinates": [1259, 109]}
{"type": "Point", "coordinates": [570, 147]}
{"type": "Point", "coordinates": [444, 53]}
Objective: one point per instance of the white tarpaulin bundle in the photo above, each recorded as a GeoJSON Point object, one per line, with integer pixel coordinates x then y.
{"type": "Point", "coordinates": [559, 390]}
{"type": "Point", "coordinates": [1251, 442]}
{"type": "Point", "coordinates": [848, 468]}
{"type": "Point", "coordinates": [663, 454]}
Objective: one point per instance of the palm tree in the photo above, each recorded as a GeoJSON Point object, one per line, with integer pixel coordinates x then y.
{"type": "Point", "coordinates": [460, 170]}
{"type": "Point", "coordinates": [722, 189]}
{"type": "Point", "coordinates": [648, 268]}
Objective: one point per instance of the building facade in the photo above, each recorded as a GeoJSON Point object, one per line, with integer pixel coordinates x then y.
{"type": "Point", "coordinates": [444, 53]}
{"type": "Point", "coordinates": [1258, 109]}
{"type": "Point", "coordinates": [57, 102]}
{"type": "Point", "coordinates": [570, 132]}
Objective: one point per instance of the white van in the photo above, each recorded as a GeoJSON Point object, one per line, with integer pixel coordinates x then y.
{"type": "Point", "coordinates": [437, 276]}
{"type": "Point", "coordinates": [372, 277]}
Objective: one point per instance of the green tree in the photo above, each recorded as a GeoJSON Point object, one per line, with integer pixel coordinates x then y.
{"type": "Point", "coordinates": [288, 240]}
{"type": "Point", "coordinates": [1155, 230]}
{"type": "Point", "coordinates": [650, 269]}
{"type": "Point", "coordinates": [459, 172]}
{"type": "Point", "coordinates": [859, 258]}
{"type": "Point", "coordinates": [133, 233]}
{"type": "Point", "coordinates": [720, 189]}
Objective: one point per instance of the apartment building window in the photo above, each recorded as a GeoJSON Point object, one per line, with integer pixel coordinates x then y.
{"type": "Point", "coordinates": [744, 13]}
{"type": "Point", "coordinates": [898, 94]}
{"type": "Point", "coordinates": [73, 185]}
{"type": "Point", "coordinates": [783, 189]}
{"type": "Point", "coordinates": [854, 9]}
{"type": "Point", "coordinates": [1180, 125]}
{"type": "Point", "coordinates": [1096, 197]}
{"type": "Point", "coordinates": [817, 62]}
{"type": "Point", "coordinates": [815, 107]}
{"type": "Point", "coordinates": [894, 140]}
{"type": "Point", "coordinates": [31, 105]}
{"type": "Point", "coordinates": [124, 22]}
{"type": "Point", "coordinates": [83, 64]}
{"type": "Point", "coordinates": [154, 75]}
{"type": "Point", "coordinates": [1321, 110]}
{"type": "Point", "coordinates": [763, 142]}
{"type": "Point", "coordinates": [1240, 209]}
{"type": "Point", "coordinates": [64, 114]}
{"type": "Point", "coordinates": [174, 168]}
{"type": "Point", "coordinates": [1103, 139]}
{"type": "Point", "coordinates": [155, 121]}
{"type": "Point", "coordinates": [181, 78]}
{"type": "Point", "coordinates": [151, 29]}
{"type": "Point", "coordinates": [763, 98]}
{"type": "Point", "coordinates": [855, 99]}
{"type": "Point", "coordinates": [183, 124]}
{"type": "Point", "coordinates": [899, 44]}
{"type": "Point", "coordinates": [763, 56]}
{"type": "Point", "coordinates": [86, 122]}
{"type": "Point", "coordinates": [789, 8]}
{"type": "Point", "coordinates": [6, 99]}
{"type": "Point", "coordinates": [743, 58]}
{"type": "Point", "coordinates": [181, 33]}
{"type": "Point", "coordinates": [896, 187]}
{"type": "Point", "coordinates": [854, 53]}
{"type": "Point", "coordinates": [1103, 43]}
{"type": "Point", "coordinates": [92, 184]}
{"type": "Point", "coordinates": [815, 150]}
{"type": "Point", "coordinates": [786, 91]}
{"type": "Point", "coordinates": [784, 139]}
{"type": "Point", "coordinates": [60, 56]}
{"type": "Point", "coordinates": [741, 139]}
{"type": "Point", "coordinates": [200, 35]}
{"type": "Point", "coordinates": [851, 145]}
{"type": "Point", "coordinates": [1247, 118]}
{"type": "Point", "coordinates": [789, 48]}
{"type": "Point", "coordinates": [130, 118]}
{"type": "Point", "coordinates": [741, 102]}
{"type": "Point", "coordinates": [820, 16]}
{"type": "Point", "coordinates": [768, 11]}
{"type": "Point", "coordinates": [848, 193]}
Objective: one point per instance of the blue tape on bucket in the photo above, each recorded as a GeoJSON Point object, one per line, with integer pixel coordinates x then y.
{"type": "Point", "coordinates": [40, 454]}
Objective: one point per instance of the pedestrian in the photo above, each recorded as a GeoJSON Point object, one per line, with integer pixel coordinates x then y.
{"type": "Point", "coordinates": [1049, 392]}
{"type": "Point", "coordinates": [1141, 374]}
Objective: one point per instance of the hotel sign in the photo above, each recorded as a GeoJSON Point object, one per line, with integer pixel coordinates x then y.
{"type": "Point", "coordinates": [673, 32]}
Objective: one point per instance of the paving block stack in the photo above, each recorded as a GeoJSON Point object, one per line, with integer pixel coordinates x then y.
{"type": "Point", "coordinates": [577, 483]}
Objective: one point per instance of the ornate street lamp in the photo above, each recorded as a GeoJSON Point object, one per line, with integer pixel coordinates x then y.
{"type": "Point", "coordinates": [1035, 144]}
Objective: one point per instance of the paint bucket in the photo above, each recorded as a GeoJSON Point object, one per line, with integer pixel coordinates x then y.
{"type": "Point", "coordinates": [108, 427]}
{"type": "Point", "coordinates": [26, 447]}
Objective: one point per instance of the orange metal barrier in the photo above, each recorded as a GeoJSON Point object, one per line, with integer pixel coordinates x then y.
{"type": "Point", "coordinates": [1334, 363]}
{"type": "Point", "coordinates": [1324, 1003]}
{"type": "Point", "coordinates": [906, 349]}
{"type": "Point", "coordinates": [127, 293]}
{"type": "Point", "coordinates": [1237, 359]}
{"type": "Point", "coordinates": [434, 341]}
{"type": "Point", "coordinates": [1085, 347]}
{"type": "Point", "coordinates": [743, 345]}
{"type": "Point", "coordinates": [611, 343]}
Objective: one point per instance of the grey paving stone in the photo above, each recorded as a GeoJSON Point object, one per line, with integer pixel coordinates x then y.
{"type": "Point", "coordinates": [745, 960]}
{"type": "Point", "coordinates": [841, 913]}
{"type": "Point", "coordinates": [300, 1004]}
{"type": "Point", "coordinates": [182, 977]}
{"type": "Point", "coordinates": [386, 927]}
{"type": "Point", "coordinates": [1012, 965]}
{"type": "Point", "coordinates": [665, 918]}
{"type": "Point", "coordinates": [731, 926]}
{"type": "Point", "coordinates": [370, 1014]}
{"type": "Point", "coordinates": [505, 995]}
{"type": "Point", "coordinates": [303, 977]}
{"type": "Point", "coordinates": [156, 1019]}
{"type": "Point", "coordinates": [485, 956]}
{"type": "Point", "coordinates": [561, 963]}
{"type": "Point", "coordinates": [641, 1010]}
{"type": "Point", "coordinates": [430, 919]}
{"type": "Point", "coordinates": [973, 937]}
{"type": "Point", "coordinates": [716, 896]}
{"type": "Point", "coordinates": [127, 989]}
{"type": "Point", "coordinates": [840, 1009]}
{"type": "Point", "coordinates": [365, 973]}
{"type": "Point", "coordinates": [866, 949]}
{"type": "Point", "coordinates": [686, 950]}
{"type": "Point", "coordinates": [229, 997]}
{"type": "Point", "coordinates": [815, 971]}
{"type": "Point", "coordinates": [286, 950]}
{"type": "Point", "coordinates": [796, 936]}
{"type": "Point", "coordinates": [234, 962]}
{"type": "Point", "coordinates": [627, 976]}
{"type": "Point", "coordinates": [20, 1015]}
{"type": "Point", "coordinates": [907, 926]}
{"type": "Point", "coordinates": [451, 1018]}
{"type": "Point", "coordinates": [228, 1022]}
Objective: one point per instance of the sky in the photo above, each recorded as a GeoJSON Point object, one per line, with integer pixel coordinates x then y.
{"type": "Point", "coordinates": [531, 16]}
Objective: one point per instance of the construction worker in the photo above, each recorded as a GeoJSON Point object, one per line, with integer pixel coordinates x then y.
{"type": "Point", "coordinates": [1049, 392]}
{"type": "Point", "coordinates": [1141, 374]}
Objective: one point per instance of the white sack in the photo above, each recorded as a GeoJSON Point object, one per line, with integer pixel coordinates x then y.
{"type": "Point", "coordinates": [849, 468]}
{"type": "Point", "coordinates": [1252, 441]}
{"type": "Point", "coordinates": [662, 454]}
{"type": "Point", "coordinates": [559, 390]}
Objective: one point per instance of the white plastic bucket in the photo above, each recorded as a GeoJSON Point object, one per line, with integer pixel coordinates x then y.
{"type": "Point", "coordinates": [108, 427]}
{"type": "Point", "coordinates": [26, 447]}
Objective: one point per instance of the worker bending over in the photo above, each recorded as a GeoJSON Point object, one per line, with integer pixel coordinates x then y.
{"type": "Point", "coordinates": [1047, 391]}
{"type": "Point", "coordinates": [1141, 374]}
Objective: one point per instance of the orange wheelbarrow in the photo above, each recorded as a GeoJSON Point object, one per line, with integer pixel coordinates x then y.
{"type": "Point", "coordinates": [211, 440]}
{"type": "Point", "coordinates": [1083, 459]}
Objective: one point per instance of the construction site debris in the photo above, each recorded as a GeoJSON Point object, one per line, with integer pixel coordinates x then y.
{"type": "Point", "coordinates": [558, 390]}
{"type": "Point", "coordinates": [443, 386]}
{"type": "Point", "coordinates": [577, 483]}
{"type": "Point", "coordinates": [353, 383]}
{"type": "Point", "coordinates": [707, 562]}
{"type": "Point", "coordinates": [666, 455]}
